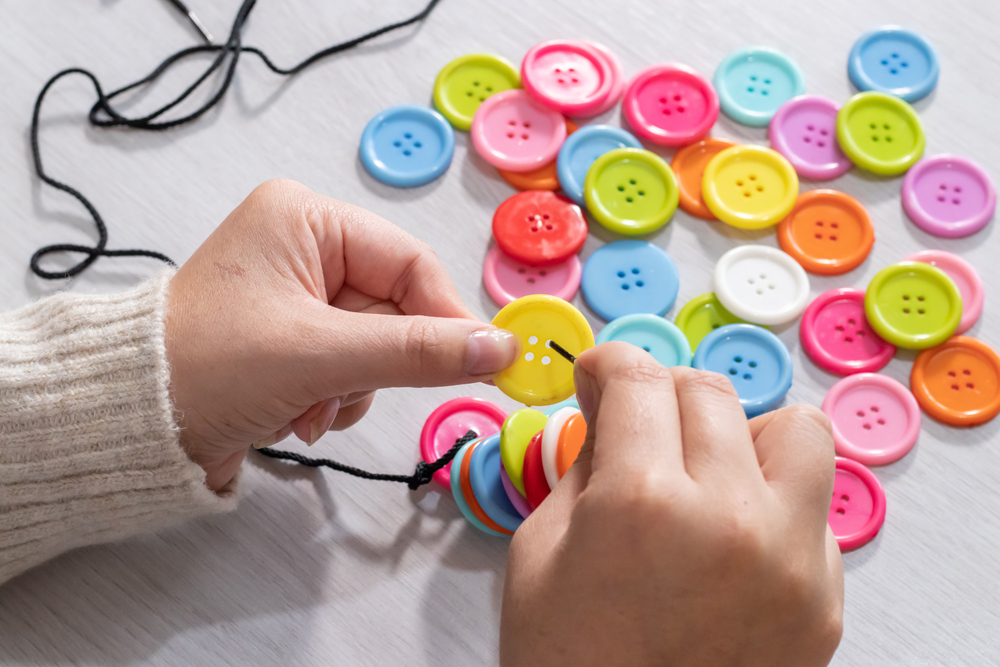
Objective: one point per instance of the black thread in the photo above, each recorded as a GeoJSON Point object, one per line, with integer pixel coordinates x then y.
{"type": "Point", "coordinates": [422, 475]}
{"type": "Point", "coordinates": [102, 114]}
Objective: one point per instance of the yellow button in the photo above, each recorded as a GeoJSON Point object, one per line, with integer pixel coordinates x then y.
{"type": "Point", "coordinates": [750, 187]}
{"type": "Point", "coordinates": [540, 376]}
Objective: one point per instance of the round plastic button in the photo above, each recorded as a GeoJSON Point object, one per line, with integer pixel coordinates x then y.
{"type": "Point", "coordinates": [580, 151]}
{"type": "Point", "coordinates": [828, 232]}
{"type": "Point", "coordinates": [857, 510]}
{"type": "Point", "coordinates": [568, 403]}
{"type": "Point", "coordinates": [517, 431]}
{"type": "Point", "coordinates": [958, 382]}
{"type": "Point", "coordinates": [536, 488]}
{"type": "Point", "coordinates": [570, 76]}
{"type": "Point", "coordinates": [689, 167]}
{"type": "Point", "coordinates": [484, 477]}
{"type": "Point", "coordinates": [519, 502]}
{"type": "Point", "coordinates": [670, 104]}
{"type": "Point", "coordinates": [545, 177]}
{"type": "Point", "coordinates": [466, 82]}
{"type": "Point", "coordinates": [470, 497]}
{"type": "Point", "coordinates": [880, 133]}
{"type": "Point", "coordinates": [761, 285]}
{"type": "Point", "coordinates": [804, 130]}
{"type": "Point", "coordinates": [459, 496]}
{"type": "Point", "coordinates": [913, 305]}
{"type": "Point", "coordinates": [539, 227]}
{"type": "Point", "coordinates": [452, 420]}
{"type": "Point", "coordinates": [750, 187]}
{"type": "Point", "coordinates": [618, 76]}
{"type": "Point", "coordinates": [507, 279]}
{"type": "Point", "coordinates": [837, 337]}
{"type": "Point", "coordinates": [655, 335]}
{"type": "Point", "coordinates": [754, 360]}
{"type": "Point", "coordinates": [630, 276]}
{"type": "Point", "coordinates": [894, 60]}
{"type": "Point", "coordinates": [407, 145]}
{"type": "Point", "coordinates": [550, 444]}
{"type": "Point", "coordinates": [574, 433]}
{"type": "Point", "coordinates": [702, 315]}
{"type": "Point", "coordinates": [949, 196]}
{"type": "Point", "coordinates": [754, 81]}
{"type": "Point", "coordinates": [875, 419]}
{"type": "Point", "coordinates": [540, 376]}
{"type": "Point", "coordinates": [630, 191]}
{"type": "Point", "coordinates": [513, 131]}
{"type": "Point", "coordinates": [968, 282]}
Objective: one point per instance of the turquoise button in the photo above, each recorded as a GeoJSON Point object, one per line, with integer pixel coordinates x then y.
{"type": "Point", "coordinates": [662, 339]}
{"type": "Point", "coordinates": [753, 82]}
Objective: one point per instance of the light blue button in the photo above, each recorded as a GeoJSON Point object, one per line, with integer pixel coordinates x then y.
{"type": "Point", "coordinates": [660, 338]}
{"type": "Point", "coordinates": [456, 492]}
{"type": "Point", "coordinates": [581, 149]}
{"type": "Point", "coordinates": [570, 402]}
{"type": "Point", "coordinates": [631, 276]}
{"type": "Point", "coordinates": [407, 145]}
{"type": "Point", "coordinates": [754, 360]}
{"type": "Point", "coordinates": [484, 475]}
{"type": "Point", "coordinates": [894, 60]}
{"type": "Point", "coordinates": [753, 82]}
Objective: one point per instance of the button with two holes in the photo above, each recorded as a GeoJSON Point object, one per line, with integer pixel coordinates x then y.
{"type": "Point", "coordinates": [407, 145]}
{"type": "Point", "coordinates": [761, 285]}
{"type": "Point", "coordinates": [875, 419]}
{"type": "Point", "coordinates": [880, 133]}
{"type": "Point", "coordinates": [958, 382]}
{"type": "Point", "coordinates": [670, 104]}
{"type": "Point", "coordinates": [949, 196]}
{"type": "Point", "coordinates": [804, 130]}
{"type": "Point", "coordinates": [913, 305]}
{"type": "Point", "coordinates": [539, 227]}
{"type": "Point", "coordinates": [630, 276]}
{"type": "Point", "coordinates": [582, 149]}
{"type": "Point", "coordinates": [662, 339]}
{"type": "Point", "coordinates": [750, 187]}
{"type": "Point", "coordinates": [467, 81]}
{"type": "Point", "coordinates": [507, 279]}
{"type": "Point", "coordinates": [754, 81]}
{"type": "Point", "coordinates": [828, 232]}
{"type": "Point", "coordinates": [837, 337]}
{"type": "Point", "coordinates": [857, 508]}
{"type": "Point", "coordinates": [894, 60]}
{"type": "Point", "coordinates": [514, 131]}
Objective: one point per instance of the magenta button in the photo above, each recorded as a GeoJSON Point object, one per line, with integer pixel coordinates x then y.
{"type": "Point", "coordinates": [949, 196]}
{"type": "Point", "coordinates": [804, 130]}
{"type": "Point", "coordinates": [857, 510]}
{"type": "Point", "coordinates": [837, 337]}
{"type": "Point", "coordinates": [570, 76]}
{"type": "Point", "coordinates": [512, 130]}
{"type": "Point", "coordinates": [450, 421]}
{"type": "Point", "coordinates": [507, 279]}
{"type": "Point", "coordinates": [968, 282]}
{"type": "Point", "coordinates": [875, 419]}
{"type": "Point", "coordinates": [670, 104]}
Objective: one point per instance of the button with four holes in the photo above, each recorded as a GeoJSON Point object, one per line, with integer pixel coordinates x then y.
{"type": "Point", "coordinates": [545, 177]}
{"type": "Point", "coordinates": [630, 276]}
{"type": "Point", "coordinates": [875, 419]}
{"type": "Point", "coordinates": [750, 187]}
{"type": "Point", "coordinates": [467, 81]}
{"type": "Point", "coordinates": [571, 439]}
{"type": "Point", "coordinates": [949, 196]}
{"type": "Point", "coordinates": [857, 509]}
{"type": "Point", "coordinates": [828, 232]}
{"type": "Point", "coordinates": [459, 495]}
{"type": "Point", "coordinates": [466, 487]}
{"type": "Point", "coordinates": [754, 360]}
{"type": "Point", "coordinates": [536, 487]}
{"type": "Point", "coordinates": [452, 420]}
{"type": "Point", "coordinates": [913, 305]}
{"type": "Point", "coordinates": [580, 151]}
{"type": "Point", "coordinates": [761, 285]}
{"type": "Point", "coordinates": [662, 339]}
{"type": "Point", "coordinates": [837, 337]}
{"type": "Point", "coordinates": [515, 434]}
{"type": "Point", "coordinates": [754, 81]}
{"type": "Point", "coordinates": [880, 133]}
{"type": "Point", "coordinates": [958, 382]}
{"type": "Point", "coordinates": [484, 478]}
{"type": "Point", "coordinates": [968, 282]}
{"type": "Point", "coordinates": [804, 130]}
{"type": "Point", "coordinates": [519, 502]}
{"type": "Point", "coordinates": [551, 439]}
{"type": "Point", "coordinates": [507, 279]}
{"type": "Point", "coordinates": [688, 166]}
{"type": "Point", "coordinates": [701, 316]}
{"type": "Point", "coordinates": [670, 104]}
{"type": "Point", "coordinates": [894, 60]}
{"type": "Point", "coordinates": [630, 191]}
{"type": "Point", "coordinates": [407, 145]}
{"type": "Point", "coordinates": [618, 76]}
{"type": "Point", "coordinates": [570, 76]}
{"type": "Point", "coordinates": [513, 131]}
{"type": "Point", "coordinates": [539, 227]}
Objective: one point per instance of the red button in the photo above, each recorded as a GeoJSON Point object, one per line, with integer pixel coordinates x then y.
{"type": "Point", "coordinates": [539, 227]}
{"type": "Point", "coordinates": [536, 488]}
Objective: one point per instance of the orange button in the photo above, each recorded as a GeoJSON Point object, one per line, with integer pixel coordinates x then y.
{"type": "Point", "coordinates": [543, 178]}
{"type": "Point", "coordinates": [689, 167]}
{"type": "Point", "coordinates": [958, 382]}
{"type": "Point", "coordinates": [571, 438]}
{"type": "Point", "coordinates": [470, 497]}
{"type": "Point", "coordinates": [827, 232]}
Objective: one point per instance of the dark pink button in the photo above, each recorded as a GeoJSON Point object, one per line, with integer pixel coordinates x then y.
{"type": "Point", "coordinates": [450, 421]}
{"type": "Point", "coordinates": [670, 104]}
{"type": "Point", "coordinates": [857, 510]}
{"type": "Point", "coordinates": [804, 130]}
{"type": "Point", "coordinates": [507, 279]}
{"type": "Point", "coordinates": [837, 337]}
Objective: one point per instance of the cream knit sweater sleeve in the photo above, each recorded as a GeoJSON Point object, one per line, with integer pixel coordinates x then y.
{"type": "Point", "coordinates": [89, 450]}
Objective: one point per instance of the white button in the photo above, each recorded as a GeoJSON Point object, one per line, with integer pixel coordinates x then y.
{"type": "Point", "coordinates": [761, 285]}
{"type": "Point", "coordinates": [550, 443]}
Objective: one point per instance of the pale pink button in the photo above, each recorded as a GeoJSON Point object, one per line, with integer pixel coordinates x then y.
{"type": "Point", "coordinates": [875, 419]}
{"type": "Point", "coordinates": [512, 130]}
{"type": "Point", "coordinates": [837, 337]}
{"type": "Point", "coordinates": [618, 74]}
{"type": "Point", "coordinates": [570, 76]}
{"type": "Point", "coordinates": [506, 279]}
{"type": "Point", "coordinates": [857, 510]}
{"type": "Point", "coordinates": [969, 284]}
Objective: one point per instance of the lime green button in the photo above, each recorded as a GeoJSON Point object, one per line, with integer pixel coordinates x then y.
{"type": "Point", "coordinates": [913, 305]}
{"type": "Point", "coordinates": [515, 435]}
{"type": "Point", "coordinates": [631, 191]}
{"type": "Point", "coordinates": [880, 133]}
{"type": "Point", "coordinates": [465, 83]}
{"type": "Point", "coordinates": [702, 315]}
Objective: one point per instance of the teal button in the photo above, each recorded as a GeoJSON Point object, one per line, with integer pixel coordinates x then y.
{"type": "Point", "coordinates": [753, 82]}
{"type": "Point", "coordinates": [662, 339]}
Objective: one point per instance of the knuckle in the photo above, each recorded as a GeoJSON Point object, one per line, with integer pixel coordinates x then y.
{"type": "Point", "coordinates": [741, 541]}
{"type": "Point", "coordinates": [425, 347]}
{"type": "Point", "coordinates": [642, 370]}
{"type": "Point", "coordinates": [703, 382]}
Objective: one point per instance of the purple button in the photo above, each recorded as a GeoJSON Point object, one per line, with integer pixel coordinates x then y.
{"type": "Point", "coordinates": [949, 196]}
{"type": "Point", "coordinates": [804, 130]}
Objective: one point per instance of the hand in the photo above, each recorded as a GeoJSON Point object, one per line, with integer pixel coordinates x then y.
{"type": "Point", "coordinates": [683, 535]}
{"type": "Point", "coordinates": [295, 310]}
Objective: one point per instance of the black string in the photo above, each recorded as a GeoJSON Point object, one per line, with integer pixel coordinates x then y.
{"type": "Point", "coordinates": [103, 114]}
{"type": "Point", "coordinates": [422, 475]}
{"type": "Point", "coordinates": [565, 354]}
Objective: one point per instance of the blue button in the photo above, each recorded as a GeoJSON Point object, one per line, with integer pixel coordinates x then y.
{"type": "Point", "coordinates": [570, 402]}
{"type": "Point", "coordinates": [754, 360]}
{"type": "Point", "coordinates": [456, 492]}
{"type": "Point", "coordinates": [407, 145]}
{"type": "Point", "coordinates": [894, 60]}
{"type": "Point", "coordinates": [660, 338]}
{"type": "Point", "coordinates": [581, 149]}
{"type": "Point", "coordinates": [753, 82]}
{"type": "Point", "coordinates": [484, 475]}
{"type": "Point", "coordinates": [632, 276]}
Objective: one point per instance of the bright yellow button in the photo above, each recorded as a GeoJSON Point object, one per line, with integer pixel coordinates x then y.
{"type": "Point", "coordinates": [515, 436]}
{"type": "Point", "coordinates": [750, 187]}
{"type": "Point", "coordinates": [540, 376]}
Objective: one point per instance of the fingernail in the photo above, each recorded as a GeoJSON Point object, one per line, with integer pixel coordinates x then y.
{"type": "Point", "coordinates": [274, 438]}
{"type": "Point", "coordinates": [584, 391]}
{"type": "Point", "coordinates": [324, 420]}
{"type": "Point", "coordinates": [490, 351]}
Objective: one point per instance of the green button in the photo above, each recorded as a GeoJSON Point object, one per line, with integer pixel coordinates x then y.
{"type": "Point", "coordinates": [515, 436]}
{"type": "Point", "coordinates": [913, 305]}
{"type": "Point", "coordinates": [465, 83]}
{"type": "Point", "coordinates": [702, 315]}
{"type": "Point", "coordinates": [630, 191]}
{"type": "Point", "coordinates": [880, 133]}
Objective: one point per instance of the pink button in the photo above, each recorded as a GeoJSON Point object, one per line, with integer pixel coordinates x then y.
{"type": "Point", "coordinates": [449, 422]}
{"type": "Point", "coordinates": [857, 510]}
{"type": "Point", "coordinates": [516, 499]}
{"type": "Point", "coordinates": [670, 104]}
{"type": "Point", "coordinates": [618, 75]}
{"type": "Point", "coordinates": [875, 419]}
{"type": "Point", "coordinates": [570, 76]}
{"type": "Point", "coordinates": [969, 284]}
{"type": "Point", "coordinates": [949, 196]}
{"type": "Point", "coordinates": [804, 130]}
{"type": "Point", "coordinates": [506, 279]}
{"type": "Point", "coordinates": [837, 337]}
{"type": "Point", "coordinates": [512, 130]}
